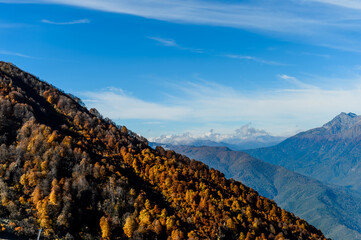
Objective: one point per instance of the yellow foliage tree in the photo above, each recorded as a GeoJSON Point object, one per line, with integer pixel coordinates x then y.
{"type": "Point", "coordinates": [129, 226]}
{"type": "Point", "coordinates": [105, 227]}
{"type": "Point", "coordinates": [177, 235]}
{"type": "Point", "coordinates": [231, 224]}
{"type": "Point", "coordinates": [36, 195]}
{"type": "Point", "coordinates": [53, 194]}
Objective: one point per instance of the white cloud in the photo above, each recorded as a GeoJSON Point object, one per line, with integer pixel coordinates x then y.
{"type": "Point", "coordinates": [267, 16]}
{"type": "Point", "coordinates": [353, 4]}
{"type": "Point", "coordinates": [320, 22]}
{"type": "Point", "coordinates": [259, 60]}
{"type": "Point", "coordinates": [277, 111]}
{"type": "Point", "coordinates": [165, 42]}
{"type": "Point", "coordinates": [296, 82]}
{"type": "Point", "coordinates": [11, 25]}
{"type": "Point", "coordinates": [79, 21]}
{"type": "Point", "coordinates": [317, 54]}
{"type": "Point", "coordinates": [16, 54]}
{"type": "Point", "coordinates": [173, 43]}
{"type": "Point", "coordinates": [116, 104]}
{"type": "Point", "coordinates": [243, 134]}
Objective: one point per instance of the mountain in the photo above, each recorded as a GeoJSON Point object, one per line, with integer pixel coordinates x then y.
{"type": "Point", "coordinates": [238, 146]}
{"type": "Point", "coordinates": [331, 153]}
{"type": "Point", "coordinates": [245, 137]}
{"type": "Point", "coordinates": [76, 175]}
{"type": "Point", "coordinates": [336, 211]}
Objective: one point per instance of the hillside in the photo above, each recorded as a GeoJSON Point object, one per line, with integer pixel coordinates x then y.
{"type": "Point", "coordinates": [336, 211]}
{"type": "Point", "coordinates": [78, 176]}
{"type": "Point", "coordinates": [330, 153]}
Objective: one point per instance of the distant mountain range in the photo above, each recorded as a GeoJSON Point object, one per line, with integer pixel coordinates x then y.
{"type": "Point", "coordinates": [335, 210]}
{"type": "Point", "coordinates": [245, 137]}
{"type": "Point", "coordinates": [331, 153]}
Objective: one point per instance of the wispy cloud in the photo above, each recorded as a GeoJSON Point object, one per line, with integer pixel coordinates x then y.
{"type": "Point", "coordinates": [296, 82]}
{"type": "Point", "coordinates": [317, 54]}
{"type": "Point", "coordinates": [270, 16]}
{"type": "Point", "coordinates": [259, 60]}
{"type": "Point", "coordinates": [320, 22]}
{"type": "Point", "coordinates": [165, 42]}
{"type": "Point", "coordinates": [16, 54]}
{"type": "Point", "coordinates": [79, 21]}
{"type": "Point", "coordinates": [117, 104]}
{"type": "Point", "coordinates": [173, 43]}
{"type": "Point", "coordinates": [353, 4]}
{"type": "Point", "coordinates": [276, 111]}
{"type": "Point", "coordinates": [11, 25]}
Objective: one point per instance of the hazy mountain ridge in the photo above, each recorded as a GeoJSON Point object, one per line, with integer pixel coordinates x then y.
{"type": "Point", "coordinates": [331, 153]}
{"type": "Point", "coordinates": [78, 176]}
{"type": "Point", "coordinates": [335, 210]}
{"type": "Point", "coordinates": [343, 122]}
{"type": "Point", "coordinates": [245, 137]}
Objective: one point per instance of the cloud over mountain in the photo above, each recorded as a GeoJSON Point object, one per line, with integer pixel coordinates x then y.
{"type": "Point", "coordinates": [240, 138]}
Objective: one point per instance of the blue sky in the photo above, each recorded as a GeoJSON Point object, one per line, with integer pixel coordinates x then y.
{"type": "Point", "coordinates": [169, 67]}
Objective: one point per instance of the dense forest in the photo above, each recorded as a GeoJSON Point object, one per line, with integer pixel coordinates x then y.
{"type": "Point", "coordinates": [76, 175]}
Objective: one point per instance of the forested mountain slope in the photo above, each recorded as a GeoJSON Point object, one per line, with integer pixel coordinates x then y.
{"type": "Point", "coordinates": [331, 153]}
{"type": "Point", "coordinates": [335, 210]}
{"type": "Point", "coordinates": [76, 175]}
